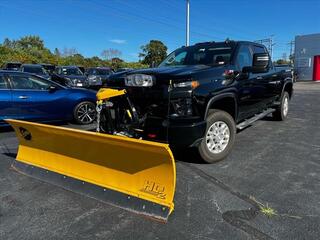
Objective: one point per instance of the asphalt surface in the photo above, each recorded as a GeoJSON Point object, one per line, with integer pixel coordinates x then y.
{"type": "Point", "coordinates": [274, 163]}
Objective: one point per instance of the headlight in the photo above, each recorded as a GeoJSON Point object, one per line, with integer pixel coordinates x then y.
{"type": "Point", "coordinates": [92, 77]}
{"type": "Point", "coordinates": [139, 80]}
{"type": "Point", "coordinates": [190, 84]}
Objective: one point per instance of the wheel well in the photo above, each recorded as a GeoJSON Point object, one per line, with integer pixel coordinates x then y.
{"type": "Point", "coordinates": [227, 104]}
{"type": "Point", "coordinates": [288, 88]}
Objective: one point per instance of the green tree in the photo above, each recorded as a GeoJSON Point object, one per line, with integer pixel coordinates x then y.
{"type": "Point", "coordinates": [30, 42]}
{"type": "Point", "coordinates": [116, 63]}
{"type": "Point", "coordinates": [57, 52]}
{"type": "Point", "coordinates": [282, 61]}
{"type": "Point", "coordinates": [153, 53]}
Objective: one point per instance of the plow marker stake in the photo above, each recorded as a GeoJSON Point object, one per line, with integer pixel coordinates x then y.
{"type": "Point", "coordinates": [133, 174]}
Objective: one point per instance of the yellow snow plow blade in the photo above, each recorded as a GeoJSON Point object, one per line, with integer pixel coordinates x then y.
{"type": "Point", "coordinates": [133, 174]}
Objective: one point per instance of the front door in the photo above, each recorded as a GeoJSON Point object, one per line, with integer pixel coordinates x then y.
{"type": "Point", "coordinates": [249, 88]}
{"type": "Point", "coordinates": [31, 95]}
{"type": "Point", "coordinates": [6, 109]}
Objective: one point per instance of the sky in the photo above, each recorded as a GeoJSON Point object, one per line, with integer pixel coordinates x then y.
{"type": "Point", "coordinates": [91, 26]}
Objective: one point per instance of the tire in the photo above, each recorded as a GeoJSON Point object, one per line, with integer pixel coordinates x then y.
{"type": "Point", "coordinates": [217, 120]}
{"type": "Point", "coordinates": [281, 112]}
{"type": "Point", "coordinates": [84, 113]}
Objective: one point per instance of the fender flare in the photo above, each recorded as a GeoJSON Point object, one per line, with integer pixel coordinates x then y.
{"type": "Point", "coordinates": [219, 97]}
{"type": "Point", "coordinates": [287, 81]}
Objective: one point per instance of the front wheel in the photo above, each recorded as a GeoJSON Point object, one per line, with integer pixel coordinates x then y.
{"type": "Point", "coordinates": [281, 112]}
{"type": "Point", "coordinates": [84, 113]}
{"type": "Point", "coordinates": [219, 137]}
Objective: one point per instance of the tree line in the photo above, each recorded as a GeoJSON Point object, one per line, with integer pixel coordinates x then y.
{"type": "Point", "coordinates": [32, 49]}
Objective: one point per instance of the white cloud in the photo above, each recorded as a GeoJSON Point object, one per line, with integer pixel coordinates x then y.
{"type": "Point", "coordinates": [118, 41]}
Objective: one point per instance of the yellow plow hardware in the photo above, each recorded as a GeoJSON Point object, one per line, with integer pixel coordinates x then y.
{"type": "Point", "coordinates": [133, 174]}
{"type": "Point", "coordinates": [106, 93]}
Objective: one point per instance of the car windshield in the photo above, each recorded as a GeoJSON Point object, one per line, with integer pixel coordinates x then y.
{"type": "Point", "coordinates": [97, 71]}
{"type": "Point", "coordinates": [205, 54]}
{"type": "Point", "coordinates": [35, 70]}
{"type": "Point", "coordinates": [70, 71]}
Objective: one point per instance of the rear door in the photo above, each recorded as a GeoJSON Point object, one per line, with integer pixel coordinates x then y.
{"type": "Point", "coordinates": [31, 95]}
{"type": "Point", "coordinates": [6, 110]}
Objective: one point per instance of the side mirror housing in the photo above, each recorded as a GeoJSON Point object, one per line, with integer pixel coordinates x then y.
{"type": "Point", "coordinates": [52, 89]}
{"type": "Point", "coordinates": [260, 64]}
{"type": "Point", "coordinates": [261, 61]}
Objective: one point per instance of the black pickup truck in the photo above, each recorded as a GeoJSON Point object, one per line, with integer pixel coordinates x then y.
{"type": "Point", "coordinates": [200, 95]}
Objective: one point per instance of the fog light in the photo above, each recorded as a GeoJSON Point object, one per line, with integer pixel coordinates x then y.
{"type": "Point", "coordinates": [181, 107]}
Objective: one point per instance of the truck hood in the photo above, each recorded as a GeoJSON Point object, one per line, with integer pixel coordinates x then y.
{"type": "Point", "coordinates": [164, 74]}
{"type": "Point", "coordinates": [172, 71]}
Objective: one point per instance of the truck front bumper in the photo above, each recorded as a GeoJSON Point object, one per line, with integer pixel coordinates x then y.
{"type": "Point", "coordinates": [178, 133]}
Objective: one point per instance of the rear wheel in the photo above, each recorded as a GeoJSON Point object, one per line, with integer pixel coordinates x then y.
{"type": "Point", "coordinates": [84, 113]}
{"type": "Point", "coordinates": [219, 137]}
{"type": "Point", "coordinates": [281, 112]}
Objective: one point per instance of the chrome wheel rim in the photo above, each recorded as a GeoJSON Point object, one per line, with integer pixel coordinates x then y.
{"type": "Point", "coordinates": [218, 136]}
{"type": "Point", "coordinates": [285, 106]}
{"type": "Point", "coordinates": [86, 113]}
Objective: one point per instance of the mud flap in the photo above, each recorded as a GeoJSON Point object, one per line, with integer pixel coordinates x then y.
{"type": "Point", "coordinates": [133, 174]}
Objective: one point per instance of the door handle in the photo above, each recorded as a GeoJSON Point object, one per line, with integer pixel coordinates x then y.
{"type": "Point", "coordinates": [259, 78]}
{"type": "Point", "coordinates": [23, 97]}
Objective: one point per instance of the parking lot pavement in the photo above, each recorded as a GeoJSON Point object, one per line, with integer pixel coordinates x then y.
{"type": "Point", "coordinates": [274, 163]}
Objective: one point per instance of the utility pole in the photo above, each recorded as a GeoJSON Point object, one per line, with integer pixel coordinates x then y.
{"type": "Point", "coordinates": [271, 47]}
{"type": "Point", "coordinates": [268, 42]}
{"type": "Point", "coordinates": [291, 43]}
{"type": "Point", "coordinates": [187, 23]}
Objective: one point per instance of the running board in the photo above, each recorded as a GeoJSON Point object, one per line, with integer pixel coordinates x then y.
{"type": "Point", "coordinates": [256, 117]}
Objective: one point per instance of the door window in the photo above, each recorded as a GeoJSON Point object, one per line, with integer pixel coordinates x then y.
{"type": "Point", "coordinates": [3, 84]}
{"type": "Point", "coordinates": [258, 49]}
{"type": "Point", "coordinates": [29, 82]}
{"type": "Point", "coordinates": [244, 58]}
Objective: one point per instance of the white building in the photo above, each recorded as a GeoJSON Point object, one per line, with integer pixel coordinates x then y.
{"type": "Point", "coordinates": [307, 57]}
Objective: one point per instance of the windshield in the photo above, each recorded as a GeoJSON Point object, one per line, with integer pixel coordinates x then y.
{"type": "Point", "coordinates": [70, 71]}
{"type": "Point", "coordinates": [35, 70]}
{"type": "Point", "coordinates": [210, 54]}
{"type": "Point", "coordinates": [99, 71]}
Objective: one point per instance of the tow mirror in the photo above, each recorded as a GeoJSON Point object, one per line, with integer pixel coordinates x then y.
{"type": "Point", "coordinates": [261, 61]}
{"type": "Point", "coordinates": [260, 64]}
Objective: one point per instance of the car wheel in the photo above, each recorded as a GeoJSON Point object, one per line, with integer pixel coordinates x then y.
{"type": "Point", "coordinates": [84, 113]}
{"type": "Point", "coordinates": [281, 112]}
{"type": "Point", "coordinates": [219, 137]}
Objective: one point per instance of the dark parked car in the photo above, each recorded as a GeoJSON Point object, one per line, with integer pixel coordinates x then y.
{"type": "Point", "coordinates": [200, 95]}
{"type": "Point", "coordinates": [70, 76]}
{"type": "Point", "coordinates": [123, 69]}
{"type": "Point", "coordinates": [12, 66]}
{"type": "Point", "coordinates": [36, 69]}
{"type": "Point", "coordinates": [98, 76]}
{"type": "Point", "coordinates": [48, 67]}
{"type": "Point", "coordinates": [30, 97]}
{"type": "Point", "coordinates": [82, 69]}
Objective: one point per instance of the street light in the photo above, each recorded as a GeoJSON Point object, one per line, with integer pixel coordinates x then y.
{"type": "Point", "coordinates": [188, 23]}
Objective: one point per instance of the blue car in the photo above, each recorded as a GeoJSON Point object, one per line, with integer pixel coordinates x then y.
{"type": "Point", "coordinates": [29, 97]}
